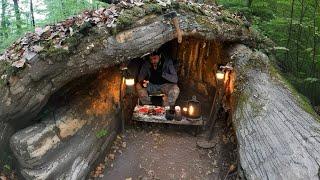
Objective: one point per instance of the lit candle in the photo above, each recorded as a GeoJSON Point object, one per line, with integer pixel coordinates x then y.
{"type": "Point", "coordinates": [178, 113]}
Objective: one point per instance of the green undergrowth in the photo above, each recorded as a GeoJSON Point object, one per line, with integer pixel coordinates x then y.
{"type": "Point", "coordinates": [7, 70]}
{"type": "Point", "coordinates": [131, 15]}
{"type": "Point", "coordinates": [203, 20]}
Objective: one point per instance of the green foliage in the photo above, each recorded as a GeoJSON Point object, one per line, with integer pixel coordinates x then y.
{"type": "Point", "coordinates": [7, 167]}
{"type": "Point", "coordinates": [102, 133]}
{"type": "Point", "coordinates": [297, 30]}
{"type": "Point", "coordinates": [15, 23]}
{"type": "Point", "coordinates": [152, 8]}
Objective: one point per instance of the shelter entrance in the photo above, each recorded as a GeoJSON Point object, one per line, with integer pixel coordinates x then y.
{"type": "Point", "coordinates": [196, 62]}
{"type": "Point", "coordinates": [164, 148]}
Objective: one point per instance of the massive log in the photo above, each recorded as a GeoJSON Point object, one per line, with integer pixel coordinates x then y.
{"type": "Point", "coordinates": [278, 132]}
{"type": "Point", "coordinates": [277, 137]}
{"type": "Point", "coordinates": [23, 94]}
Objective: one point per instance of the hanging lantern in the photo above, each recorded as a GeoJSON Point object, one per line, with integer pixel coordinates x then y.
{"type": "Point", "coordinates": [129, 81]}
{"type": "Point", "coordinates": [220, 75]}
{"type": "Point", "coordinates": [194, 108]}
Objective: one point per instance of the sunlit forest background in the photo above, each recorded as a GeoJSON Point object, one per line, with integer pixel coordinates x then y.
{"type": "Point", "coordinates": [294, 25]}
{"type": "Point", "coordinates": [20, 16]}
{"type": "Point", "coordinates": [291, 24]}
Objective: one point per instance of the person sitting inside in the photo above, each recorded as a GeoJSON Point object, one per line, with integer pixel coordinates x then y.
{"type": "Point", "coordinates": [158, 75]}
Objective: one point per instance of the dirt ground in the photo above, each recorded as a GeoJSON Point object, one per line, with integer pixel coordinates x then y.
{"type": "Point", "coordinates": [156, 151]}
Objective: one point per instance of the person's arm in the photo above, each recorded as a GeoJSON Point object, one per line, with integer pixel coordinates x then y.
{"type": "Point", "coordinates": [172, 74]}
{"type": "Point", "coordinates": [143, 73]}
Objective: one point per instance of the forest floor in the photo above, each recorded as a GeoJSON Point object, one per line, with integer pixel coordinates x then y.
{"type": "Point", "coordinates": [155, 151]}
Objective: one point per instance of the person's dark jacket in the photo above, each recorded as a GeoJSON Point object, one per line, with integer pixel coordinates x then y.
{"type": "Point", "coordinates": [169, 73]}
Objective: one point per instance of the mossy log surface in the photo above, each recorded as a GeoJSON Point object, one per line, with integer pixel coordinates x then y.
{"type": "Point", "coordinates": [277, 137]}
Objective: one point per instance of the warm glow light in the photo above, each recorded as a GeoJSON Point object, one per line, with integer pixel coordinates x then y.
{"type": "Point", "coordinates": [185, 109]}
{"type": "Point", "coordinates": [191, 110]}
{"type": "Point", "coordinates": [220, 75]}
{"type": "Point", "coordinates": [129, 82]}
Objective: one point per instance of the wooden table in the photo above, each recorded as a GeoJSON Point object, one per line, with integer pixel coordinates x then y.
{"type": "Point", "coordinates": [160, 117]}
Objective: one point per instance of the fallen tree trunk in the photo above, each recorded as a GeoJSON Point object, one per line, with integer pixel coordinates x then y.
{"type": "Point", "coordinates": [24, 92]}
{"type": "Point", "coordinates": [277, 137]}
{"type": "Point", "coordinates": [278, 134]}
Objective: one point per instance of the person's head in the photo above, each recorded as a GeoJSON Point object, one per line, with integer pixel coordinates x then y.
{"type": "Point", "coordinates": [155, 57]}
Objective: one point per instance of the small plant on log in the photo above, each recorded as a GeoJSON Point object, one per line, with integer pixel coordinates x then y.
{"type": "Point", "coordinates": [102, 133]}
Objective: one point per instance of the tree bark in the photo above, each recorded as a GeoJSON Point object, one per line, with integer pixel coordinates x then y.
{"type": "Point", "coordinates": [290, 34]}
{"type": "Point", "coordinates": [3, 18]}
{"type": "Point", "coordinates": [302, 13]}
{"type": "Point", "coordinates": [277, 138]}
{"type": "Point", "coordinates": [314, 55]}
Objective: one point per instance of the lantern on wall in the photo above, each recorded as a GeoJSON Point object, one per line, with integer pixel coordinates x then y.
{"type": "Point", "coordinates": [220, 75]}
{"type": "Point", "coordinates": [128, 78]}
{"type": "Point", "coordinates": [129, 81]}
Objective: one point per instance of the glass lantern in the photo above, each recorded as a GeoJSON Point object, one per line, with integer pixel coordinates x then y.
{"type": "Point", "coordinates": [194, 108]}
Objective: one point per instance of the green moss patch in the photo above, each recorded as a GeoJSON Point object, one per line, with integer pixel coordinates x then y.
{"type": "Point", "coordinates": [129, 16]}
{"type": "Point", "coordinates": [189, 8]}
{"type": "Point", "coordinates": [102, 133]}
{"type": "Point", "coordinates": [6, 69]}
{"type": "Point", "coordinates": [204, 21]}
{"type": "Point", "coordinates": [152, 8]}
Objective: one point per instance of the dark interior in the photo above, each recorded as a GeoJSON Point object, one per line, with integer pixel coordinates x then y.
{"type": "Point", "coordinates": [195, 59]}
{"type": "Point", "coordinates": [95, 98]}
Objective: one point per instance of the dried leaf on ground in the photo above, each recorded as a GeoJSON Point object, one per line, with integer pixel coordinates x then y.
{"type": "Point", "coordinates": [111, 156]}
{"type": "Point", "coordinates": [19, 64]}
{"type": "Point", "coordinates": [37, 48]}
{"type": "Point", "coordinates": [124, 144]}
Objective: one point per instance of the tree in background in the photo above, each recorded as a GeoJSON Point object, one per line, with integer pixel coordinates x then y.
{"type": "Point", "coordinates": [293, 24]}
{"type": "Point", "coordinates": [3, 18]}
{"type": "Point", "coordinates": [17, 14]}
{"type": "Point", "coordinates": [32, 14]}
{"type": "Point", "coordinates": [20, 16]}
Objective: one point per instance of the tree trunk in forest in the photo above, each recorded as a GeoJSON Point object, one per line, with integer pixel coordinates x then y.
{"type": "Point", "coordinates": [289, 37]}
{"type": "Point", "coordinates": [249, 3]}
{"type": "Point", "coordinates": [32, 14]}
{"type": "Point", "coordinates": [315, 37]}
{"type": "Point", "coordinates": [63, 8]}
{"type": "Point", "coordinates": [302, 13]}
{"type": "Point", "coordinates": [3, 18]}
{"type": "Point", "coordinates": [17, 14]}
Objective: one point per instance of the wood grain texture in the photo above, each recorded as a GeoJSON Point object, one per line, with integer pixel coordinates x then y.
{"type": "Point", "coordinates": [277, 138]}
